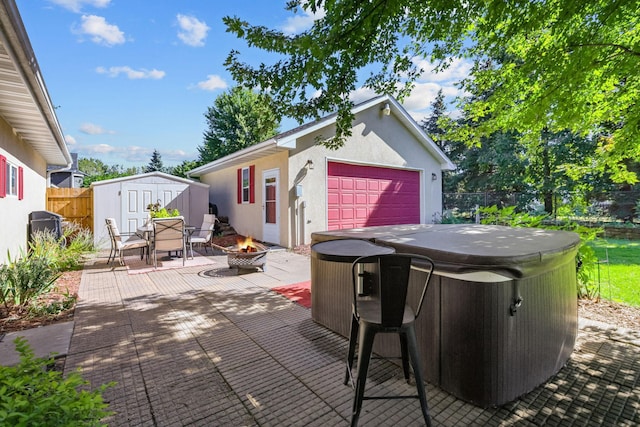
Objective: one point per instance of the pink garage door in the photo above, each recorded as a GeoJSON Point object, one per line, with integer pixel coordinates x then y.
{"type": "Point", "coordinates": [362, 196]}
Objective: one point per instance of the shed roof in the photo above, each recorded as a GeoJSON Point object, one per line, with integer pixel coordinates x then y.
{"type": "Point", "coordinates": [147, 175]}
{"type": "Point", "coordinates": [24, 99]}
{"type": "Point", "coordinates": [287, 140]}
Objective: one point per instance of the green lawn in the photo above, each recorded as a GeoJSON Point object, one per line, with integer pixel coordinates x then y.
{"type": "Point", "coordinates": [620, 278]}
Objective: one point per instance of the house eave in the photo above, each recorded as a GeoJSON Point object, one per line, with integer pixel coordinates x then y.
{"type": "Point", "coordinates": [249, 154]}
{"type": "Point", "coordinates": [24, 100]}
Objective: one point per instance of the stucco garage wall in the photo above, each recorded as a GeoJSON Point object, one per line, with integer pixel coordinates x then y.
{"type": "Point", "coordinates": [376, 140]}
{"type": "Point", "coordinates": [15, 220]}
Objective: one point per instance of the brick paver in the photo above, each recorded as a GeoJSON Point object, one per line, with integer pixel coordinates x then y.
{"type": "Point", "coordinates": [202, 346]}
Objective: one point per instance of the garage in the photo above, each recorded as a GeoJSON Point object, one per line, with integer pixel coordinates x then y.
{"type": "Point", "coordinates": [364, 196]}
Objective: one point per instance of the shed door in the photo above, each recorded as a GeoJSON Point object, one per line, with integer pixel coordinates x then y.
{"type": "Point", "coordinates": [137, 196]}
{"type": "Point", "coordinates": [363, 196]}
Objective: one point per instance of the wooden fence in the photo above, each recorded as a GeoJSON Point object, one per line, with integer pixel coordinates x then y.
{"type": "Point", "coordinates": [74, 204]}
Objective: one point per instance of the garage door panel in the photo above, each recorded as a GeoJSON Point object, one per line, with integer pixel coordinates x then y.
{"type": "Point", "coordinates": [346, 198]}
{"type": "Point", "coordinates": [368, 195]}
{"type": "Point", "coordinates": [346, 184]}
{"type": "Point", "coordinates": [333, 214]}
{"type": "Point", "coordinates": [333, 183]}
{"type": "Point", "coordinates": [346, 214]}
{"type": "Point", "coordinates": [362, 213]}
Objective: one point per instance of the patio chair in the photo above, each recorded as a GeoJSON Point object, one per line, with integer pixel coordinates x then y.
{"type": "Point", "coordinates": [118, 245]}
{"type": "Point", "coordinates": [202, 235]}
{"type": "Point", "coordinates": [383, 310]}
{"type": "Point", "coordinates": [168, 235]}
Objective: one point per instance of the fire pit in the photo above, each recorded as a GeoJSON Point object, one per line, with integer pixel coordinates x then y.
{"type": "Point", "coordinates": [247, 254]}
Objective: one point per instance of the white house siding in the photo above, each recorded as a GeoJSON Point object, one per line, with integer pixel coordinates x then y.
{"type": "Point", "coordinates": [376, 140]}
{"type": "Point", "coordinates": [15, 213]}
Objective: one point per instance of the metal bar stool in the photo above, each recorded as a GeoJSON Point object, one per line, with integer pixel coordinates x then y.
{"type": "Point", "coordinates": [380, 284]}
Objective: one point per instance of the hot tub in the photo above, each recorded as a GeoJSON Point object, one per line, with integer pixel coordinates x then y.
{"type": "Point", "coordinates": [501, 312]}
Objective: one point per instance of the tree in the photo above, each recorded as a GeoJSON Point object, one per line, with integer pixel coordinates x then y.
{"type": "Point", "coordinates": [567, 65]}
{"type": "Point", "coordinates": [155, 164]}
{"type": "Point", "coordinates": [97, 170]}
{"type": "Point", "coordinates": [238, 119]}
{"type": "Point", "coordinates": [184, 167]}
{"type": "Point", "coordinates": [92, 166]}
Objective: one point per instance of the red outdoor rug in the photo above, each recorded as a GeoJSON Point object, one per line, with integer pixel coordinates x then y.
{"type": "Point", "coordinates": [298, 292]}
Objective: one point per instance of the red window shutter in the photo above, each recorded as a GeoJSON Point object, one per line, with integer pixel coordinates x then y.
{"type": "Point", "coordinates": [240, 186]}
{"type": "Point", "coordinates": [3, 176]}
{"type": "Point", "coordinates": [20, 183]}
{"type": "Point", "coordinates": [252, 182]}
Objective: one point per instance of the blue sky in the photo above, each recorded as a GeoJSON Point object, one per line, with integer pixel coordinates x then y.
{"type": "Point", "coordinates": [131, 76]}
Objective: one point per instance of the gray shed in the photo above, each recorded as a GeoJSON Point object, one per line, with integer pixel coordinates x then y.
{"type": "Point", "coordinates": [126, 199]}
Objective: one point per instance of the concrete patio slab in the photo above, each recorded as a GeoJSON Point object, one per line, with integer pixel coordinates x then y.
{"type": "Point", "coordinates": [45, 341]}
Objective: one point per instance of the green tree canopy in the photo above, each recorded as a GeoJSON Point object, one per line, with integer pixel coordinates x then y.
{"type": "Point", "coordinates": [97, 170]}
{"type": "Point", "coordinates": [238, 119]}
{"type": "Point", "coordinates": [184, 167]}
{"type": "Point", "coordinates": [565, 65]}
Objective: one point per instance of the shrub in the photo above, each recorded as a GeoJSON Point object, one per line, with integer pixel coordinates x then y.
{"type": "Point", "coordinates": [66, 253]}
{"type": "Point", "coordinates": [31, 395]}
{"type": "Point", "coordinates": [54, 308]}
{"type": "Point", "coordinates": [155, 211]}
{"type": "Point", "coordinates": [586, 259]}
{"type": "Point", "coordinates": [26, 278]}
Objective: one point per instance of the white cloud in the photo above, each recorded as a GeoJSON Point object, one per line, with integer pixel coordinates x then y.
{"type": "Point", "coordinates": [298, 23]}
{"type": "Point", "coordinates": [131, 73]}
{"type": "Point", "coordinates": [212, 83]}
{"type": "Point", "coordinates": [98, 149]}
{"type": "Point", "coordinates": [100, 31]}
{"type": "Point", "coordinates": [457, 70]}
{"type": "Point", "coordinates": [361, 94]}
{"type": "Point", "coordinates": [422, 96]}
{"type": "Point", "coordinates": [192, 31]}
{"type": "Point", "coordinates": [76, 5]}
{"type": "Point", "coordinates": [70, 140]}
{"type": "Point", "coordinates": [93, 129]}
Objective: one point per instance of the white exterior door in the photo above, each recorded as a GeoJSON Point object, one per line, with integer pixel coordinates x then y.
{"type": "Point", "coordinates": [136, 198]}
{"type": "Point", "coordinates": [270, 206]}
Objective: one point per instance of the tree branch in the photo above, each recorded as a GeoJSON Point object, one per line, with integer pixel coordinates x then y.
{"type": "Point", "coordinates": [614, 45]}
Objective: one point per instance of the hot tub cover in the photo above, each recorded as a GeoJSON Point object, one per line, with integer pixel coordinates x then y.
{"type": "Point", "coordinates": [467, 248]}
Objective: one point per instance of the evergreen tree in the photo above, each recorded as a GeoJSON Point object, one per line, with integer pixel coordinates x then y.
{"type": "Point", "coordinates": [155, 164]}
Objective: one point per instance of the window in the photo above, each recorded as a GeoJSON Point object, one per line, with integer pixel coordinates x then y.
{"type": "Point", "coordinates": [246, 187]}
{"type": "Point", "coordinates": [11, 179]}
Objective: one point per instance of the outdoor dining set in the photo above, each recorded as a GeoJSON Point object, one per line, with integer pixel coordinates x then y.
{"type": "Point", "coordinates": [160, 235]}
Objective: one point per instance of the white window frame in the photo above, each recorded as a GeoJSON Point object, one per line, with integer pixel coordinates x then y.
{"type": "Point", "coordinates": [12, 180]}
{"type": "Point", "coordinates": [246, 185]}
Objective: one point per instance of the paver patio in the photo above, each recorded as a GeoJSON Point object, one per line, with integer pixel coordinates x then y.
{"type": "Point", "coordinates": [202, 346]}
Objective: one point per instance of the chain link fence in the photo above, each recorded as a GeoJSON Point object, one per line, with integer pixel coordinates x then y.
{"type": "Point", "coordinates": [600, 208]}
